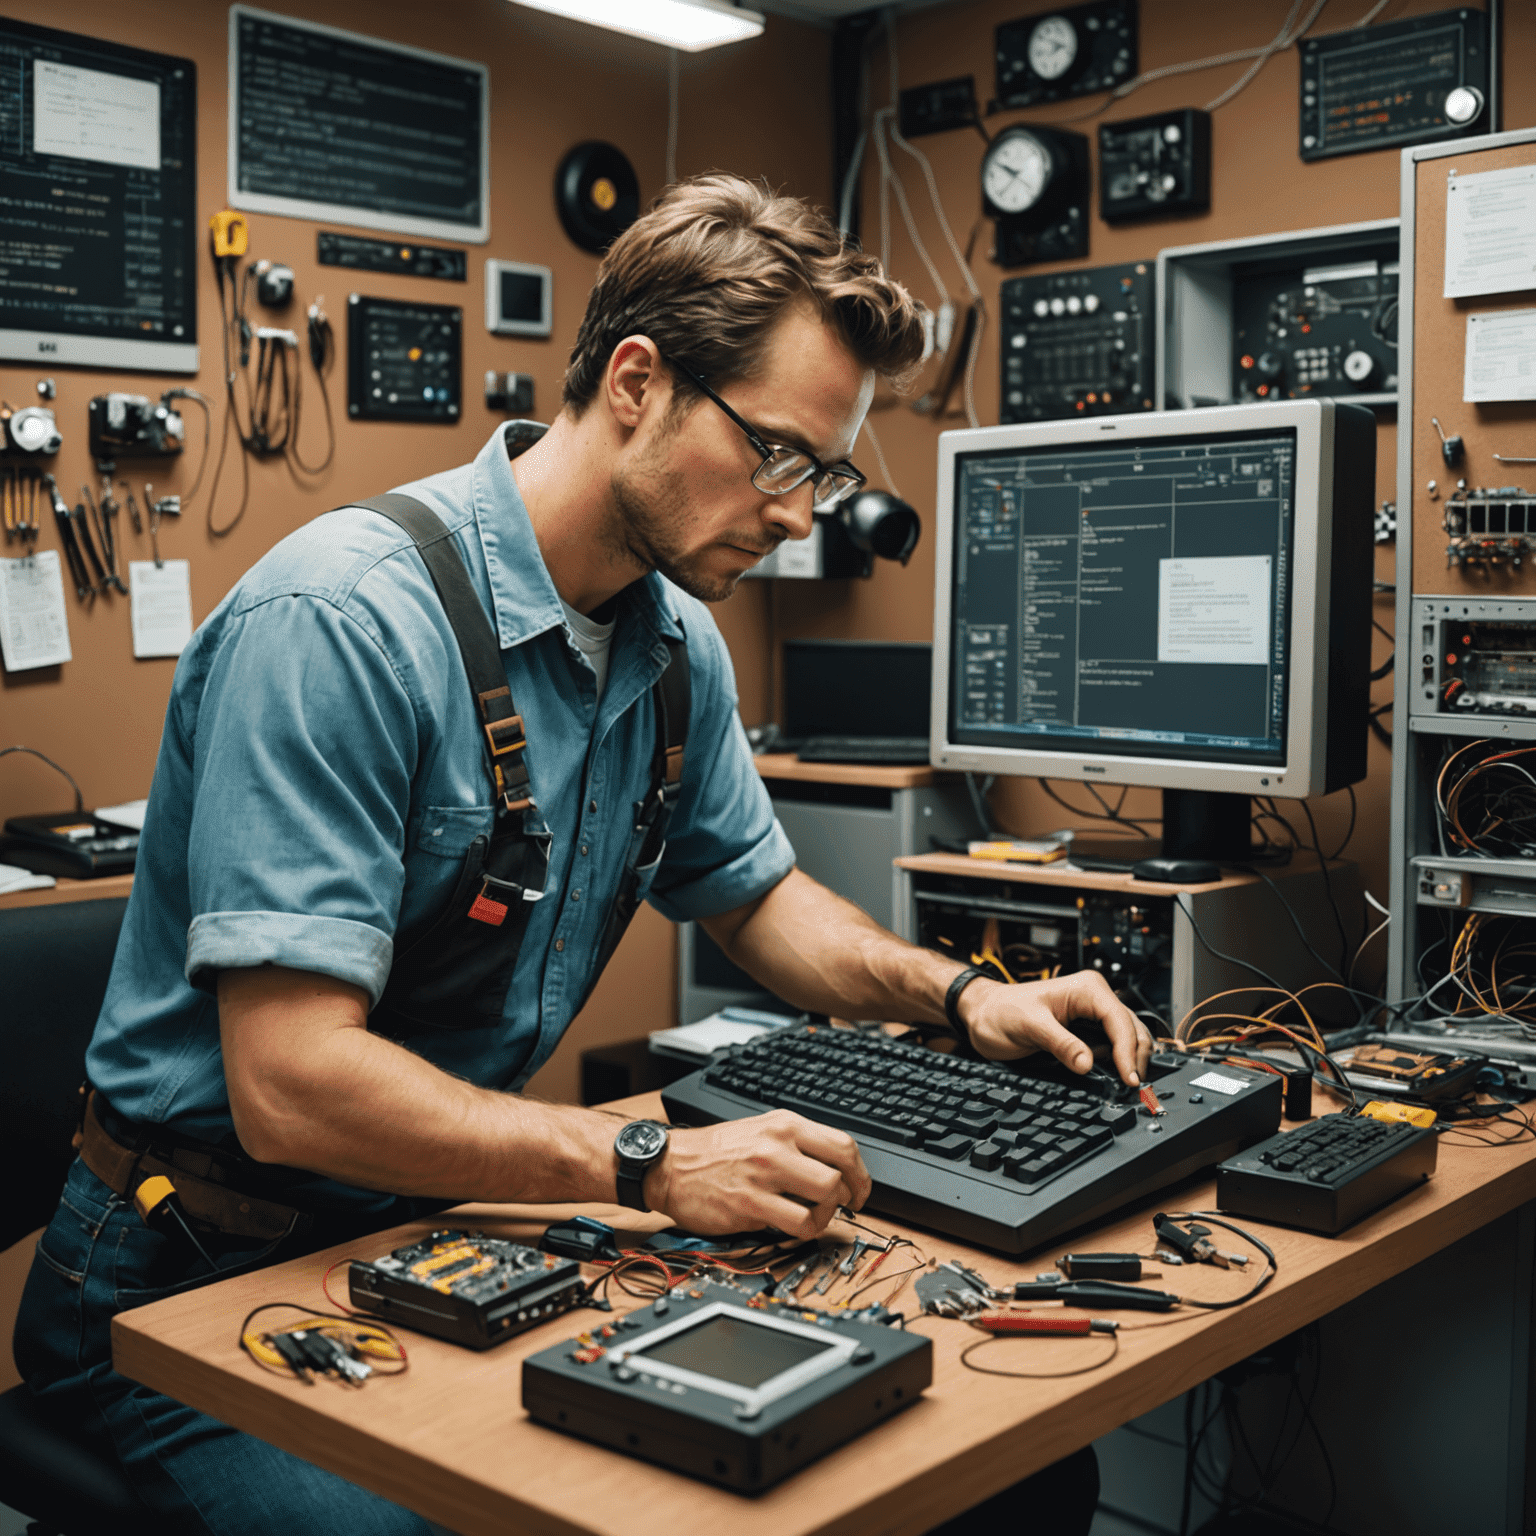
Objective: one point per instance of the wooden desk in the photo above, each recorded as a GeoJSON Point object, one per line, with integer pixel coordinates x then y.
{"type": "Point", "coordinates": [450, 1439]}
{"type": "Point", "coordinates": [69, 890]}
{"type": "Point", "coordinates": [785, 765]}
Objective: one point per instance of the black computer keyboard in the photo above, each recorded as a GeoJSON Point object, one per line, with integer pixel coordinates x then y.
{"type": "Point", "coordinates": [983, 1151]}
{"type": "Point", "coordinates": [1328, 1174]}
{"type": "Point", "coordinates": [864, 749]}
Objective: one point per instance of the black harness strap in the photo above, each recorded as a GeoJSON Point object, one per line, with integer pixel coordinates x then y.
{"type": "Point", "coordinates": [505, 740]}
{"type": "Point", "coordinates": [455, 972]}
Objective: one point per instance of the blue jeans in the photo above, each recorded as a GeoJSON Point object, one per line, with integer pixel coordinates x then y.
{"type": "Point", "coordinates": [195, 1475]}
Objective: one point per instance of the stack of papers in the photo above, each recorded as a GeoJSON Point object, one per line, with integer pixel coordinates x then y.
{"type": "Point", "coordinates": [14, 879]}
{"type": "Point", "coordinates": [731, 1026]}
{"type": "Point", "coordinates": [129, 814]}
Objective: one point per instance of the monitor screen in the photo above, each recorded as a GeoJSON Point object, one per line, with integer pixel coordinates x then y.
{"type": "Point", "coordinates": [732, 1349]}
{"type": "Point", "coordinates": [856, 688]}
{"type": "Point", "coordinates": [522, 296]}
{"type": "Point", "coordinates": [98, 220]}
{"type": "Point", "coordinates": [1126, 598]}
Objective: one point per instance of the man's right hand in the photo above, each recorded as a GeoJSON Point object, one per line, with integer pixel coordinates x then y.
{"type": "Point", "coordinates": [776, 1170]}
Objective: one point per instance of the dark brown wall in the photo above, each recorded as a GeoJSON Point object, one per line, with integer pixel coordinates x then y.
{"type": "Point", "coordinates": [759, 108]}
{"type": "Point", "coordinates": [1259, 186]}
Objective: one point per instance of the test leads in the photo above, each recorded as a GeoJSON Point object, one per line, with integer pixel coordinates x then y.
{"type": "Point", "coordinates": [519, 298]}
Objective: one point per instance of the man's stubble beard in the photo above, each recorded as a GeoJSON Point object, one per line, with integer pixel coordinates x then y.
{"type": "Point", "coordinates": [650, 514]}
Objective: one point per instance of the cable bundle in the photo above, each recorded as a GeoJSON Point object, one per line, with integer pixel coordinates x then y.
{"type": "Point", "coordinates": [1486, 798]}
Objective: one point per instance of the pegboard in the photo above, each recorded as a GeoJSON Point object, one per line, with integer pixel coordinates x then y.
{"type": "Point", "coordinates": [1439, 350]}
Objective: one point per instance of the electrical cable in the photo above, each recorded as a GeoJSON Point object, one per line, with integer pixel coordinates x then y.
{"type": "Point", "coordinates": [1283, 39]}
{"type": "Point", "coordinates": [885, 469]}
{"type": "Point", "coordinates": [322, 354]}
{"type": "Point", "coordinates": [672, 116]}
{"type": "Point", "coordinates": [79, 799]}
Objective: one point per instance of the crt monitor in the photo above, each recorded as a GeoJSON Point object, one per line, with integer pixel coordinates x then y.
{"type": "Point", "coordinates": [1181, 600]}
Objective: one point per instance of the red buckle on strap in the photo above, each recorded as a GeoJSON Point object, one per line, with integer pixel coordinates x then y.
{"type": "Point", "coordinates": [484, 910]}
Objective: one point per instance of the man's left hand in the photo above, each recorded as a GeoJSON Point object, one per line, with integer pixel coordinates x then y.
{"type": "Point", "coordinates": [1005, 1022]}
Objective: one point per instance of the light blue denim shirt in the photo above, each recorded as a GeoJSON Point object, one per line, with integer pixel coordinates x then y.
{"type": "Point", "coordinates": [321, 777]}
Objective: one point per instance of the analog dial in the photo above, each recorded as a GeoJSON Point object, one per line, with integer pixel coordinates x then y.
{"type": "Point", "coordinates": [1053, 47]}
{"type": "Point", "coordinates": [1016, 172]}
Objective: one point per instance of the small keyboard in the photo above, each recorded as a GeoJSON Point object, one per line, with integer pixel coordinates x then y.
{"type": "Point", "coordinates": [1327, 1174]}
{"type": "Point", "coordinates": [896, 750]}
{"type": "Point", "coordinates": [983, 1151]}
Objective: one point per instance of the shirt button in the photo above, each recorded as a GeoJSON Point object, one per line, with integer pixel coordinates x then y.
{"type": "Point", "coordinates": [575, 895]}
{"type": "Point", "coordinates": [559, 945]}
{"type": "Point", "coordinates": [583, 850]}
{"type": "Point", "coordinates": [592, 806]}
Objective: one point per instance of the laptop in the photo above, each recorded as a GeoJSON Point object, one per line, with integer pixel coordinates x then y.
{"type": "Point", "coordinates": [857, 701]}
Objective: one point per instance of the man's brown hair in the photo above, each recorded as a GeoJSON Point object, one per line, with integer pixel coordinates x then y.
{"type": "Point", "coordinates": [707, 271]}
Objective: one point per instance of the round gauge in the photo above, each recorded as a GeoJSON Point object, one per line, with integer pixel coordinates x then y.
{"type": "Point", "coordinates": [1015, 172]}
{"type": "Point", "coordinates": [597, 195]}
{"type": "Point", "coordinates": [1053, 47]}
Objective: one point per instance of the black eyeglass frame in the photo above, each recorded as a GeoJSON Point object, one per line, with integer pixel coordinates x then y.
{"type": "Point", "coordinates": [845, 471]}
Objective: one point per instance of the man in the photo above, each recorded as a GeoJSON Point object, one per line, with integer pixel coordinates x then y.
{"type": "Point", "coordinates": [282, 1026]}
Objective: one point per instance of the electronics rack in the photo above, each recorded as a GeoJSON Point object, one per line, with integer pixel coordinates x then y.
{"type": "Point", "coordinates": [1279, 316]}
{"type": "Point", "coordinates": [1466, 585]}
{"type": "Point", "coordinates": [1137, 934]}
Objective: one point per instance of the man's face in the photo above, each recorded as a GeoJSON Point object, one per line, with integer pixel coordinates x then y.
{"type": "Point", "coordinates": [686, 502]}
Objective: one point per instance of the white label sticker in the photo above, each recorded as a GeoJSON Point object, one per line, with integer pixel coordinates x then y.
{"type": "Point", "coordinates": [1219, 1084]}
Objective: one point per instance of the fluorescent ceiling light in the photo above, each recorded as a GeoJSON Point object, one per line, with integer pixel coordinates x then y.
{"type": "Point", "coordinates": [691, 25]}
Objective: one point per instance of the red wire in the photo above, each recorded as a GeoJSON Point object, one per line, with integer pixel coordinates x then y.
{"type": "Point", "coordinates": [325, 1286]}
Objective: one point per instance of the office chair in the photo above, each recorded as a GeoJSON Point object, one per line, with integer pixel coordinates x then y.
{"type": "Point", "coordinates": [55, 961]}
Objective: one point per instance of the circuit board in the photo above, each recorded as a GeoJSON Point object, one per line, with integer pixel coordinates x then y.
{"type": "Point", "coordinates": [467, 1287]}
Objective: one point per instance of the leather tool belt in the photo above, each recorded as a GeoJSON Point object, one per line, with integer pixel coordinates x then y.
{"type": "Point", "coordinates": [207, 1182]}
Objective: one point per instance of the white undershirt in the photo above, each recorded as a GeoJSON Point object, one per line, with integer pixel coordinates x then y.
{"type": "Point", "coordinates": [592, 640]}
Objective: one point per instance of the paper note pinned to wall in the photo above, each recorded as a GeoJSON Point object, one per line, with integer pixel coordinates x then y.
{"type": "Point", "coordinates": [1490, 232]}
{"type": "Point", "coordinates": [34, 628]}
{"type": "Point", "coordinates": [161, 596]}
{"type": "Point", "coordinates": [1501, 356]}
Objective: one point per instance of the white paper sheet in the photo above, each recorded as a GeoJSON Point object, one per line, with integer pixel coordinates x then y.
{"type": "Point", "coordinates": [161, 597]}
{"type": "Point", "coordinates": [1214, 610]}
{"type": "Point", "coordinates": [34, 628]}
{"type": "Point", "coordinates": [88, 114]}
{"type": "Point", "coordinates": [1490, 232]}
{"type": "Point", "coordinates": [129, 814]}
{"type": "Point", "coordinates": [1501, 356]}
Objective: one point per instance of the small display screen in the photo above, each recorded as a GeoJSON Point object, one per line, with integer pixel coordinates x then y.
{"type": "Point", "coordinates": [522, 296]}
{"type": "Point", "coordinates": [732, 1349]}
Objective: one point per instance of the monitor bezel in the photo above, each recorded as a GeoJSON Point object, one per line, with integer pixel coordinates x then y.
{"type": "Point", "coordinates": [1303, 770]}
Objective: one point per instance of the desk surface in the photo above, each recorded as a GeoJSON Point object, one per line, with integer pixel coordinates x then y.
{"type": "Point", "coordinates": [450, 1438]}
{"type": "Point", "coordinates": [1063, 873]}
{"type": "Point", "coordinates": [70, 890]}
{"type": "Point", "coordinates": [785, 765]}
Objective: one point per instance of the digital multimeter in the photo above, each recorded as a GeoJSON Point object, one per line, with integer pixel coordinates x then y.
{"type": "Point", "coordinates": [727, 1387]}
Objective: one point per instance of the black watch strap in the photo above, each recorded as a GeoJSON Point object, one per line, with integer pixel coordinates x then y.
{"type": "Point", "coordinates": [952, 1001]}
{"type": "Point", "coordinates": [630, 1181]}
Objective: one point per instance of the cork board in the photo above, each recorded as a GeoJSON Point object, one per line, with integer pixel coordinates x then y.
{"type": "Point", "coordinates": [1439, 350]}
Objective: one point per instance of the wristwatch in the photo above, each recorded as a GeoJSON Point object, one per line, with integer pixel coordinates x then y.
{"type": "Point", "coordinates": [639, 1146]}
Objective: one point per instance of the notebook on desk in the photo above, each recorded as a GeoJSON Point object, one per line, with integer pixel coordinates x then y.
{"type": "Point", "coordinates": [857, 701]}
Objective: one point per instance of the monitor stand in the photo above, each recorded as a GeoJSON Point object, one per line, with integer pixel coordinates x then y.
{"type": "Point", "coordinates": [1197, 824]}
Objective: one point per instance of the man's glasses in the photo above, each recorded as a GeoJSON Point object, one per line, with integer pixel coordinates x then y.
{"type": "Point", "coordinates": [785, 469]}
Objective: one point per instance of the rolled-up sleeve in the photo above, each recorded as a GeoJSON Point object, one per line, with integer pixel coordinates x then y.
{"type": "Point", "coordinates": [726, 846]}
{"type": "Point", "coordinates": [303, 758]}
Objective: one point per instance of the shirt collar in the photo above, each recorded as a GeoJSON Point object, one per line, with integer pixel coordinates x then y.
{"type": "Point", "coordinates": [523, 596]}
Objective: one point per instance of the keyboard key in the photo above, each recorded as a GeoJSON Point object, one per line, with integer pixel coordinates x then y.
{"type": "Point", "coordinates": [986, 1156]}
{"type": "Point", "coordinates": [952, 1147]}
{"type": "Point", "coordinates": [979, 1126]}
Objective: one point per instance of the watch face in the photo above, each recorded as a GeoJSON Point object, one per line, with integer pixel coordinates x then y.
{"type": "Point", "coordinates": [1052, 47]}
{"type": "Point", "coordinates": [1015, 173]}
{"type": "Point", "coordinates": [640, 1140]}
